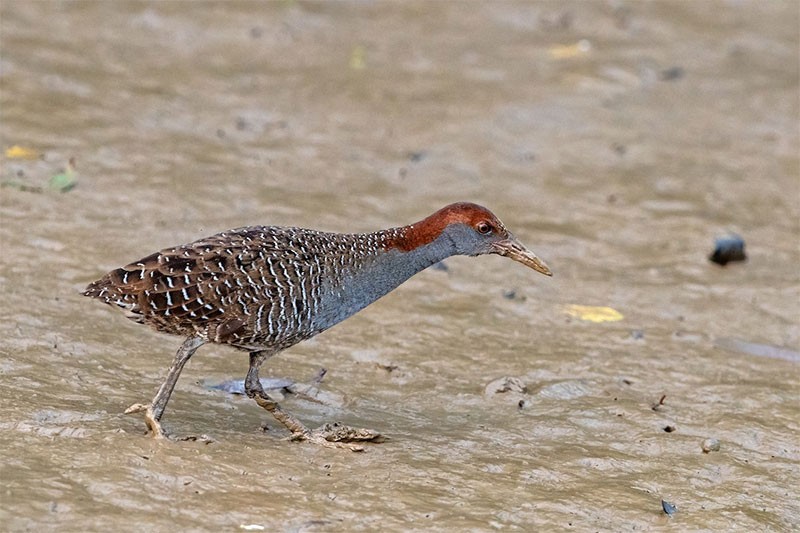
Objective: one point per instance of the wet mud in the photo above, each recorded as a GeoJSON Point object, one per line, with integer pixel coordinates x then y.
{"type": "Point", "coordinates": [642, 387]}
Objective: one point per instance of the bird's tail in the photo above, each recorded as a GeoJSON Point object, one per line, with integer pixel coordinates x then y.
{"type": "Point", "coordinates": [117, 288]}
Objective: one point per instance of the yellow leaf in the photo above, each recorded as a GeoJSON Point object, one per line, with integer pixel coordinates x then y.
{"type": "Point", "coordinates": [567, 51]}
{"type": "Point", "coordinates": [358, 58]}
{"type": "Point", "coordinates": [20, 152]}
{"type": "Point", "coordinates": [591, 313]}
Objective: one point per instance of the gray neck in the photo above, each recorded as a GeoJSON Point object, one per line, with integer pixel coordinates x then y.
{"type": "Point", "coordinates": [372, 275]}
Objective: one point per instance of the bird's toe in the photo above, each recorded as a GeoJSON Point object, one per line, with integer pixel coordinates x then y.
{"type": "Point", "coordinates": [336, 432]}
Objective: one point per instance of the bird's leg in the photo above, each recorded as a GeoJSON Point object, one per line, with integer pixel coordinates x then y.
{"type": "Point", "coordinates": [153, 411]}
{"type": "Point", "coordinates": [253, 388]}
{"type": "Point", "coordinates": [331, 435]}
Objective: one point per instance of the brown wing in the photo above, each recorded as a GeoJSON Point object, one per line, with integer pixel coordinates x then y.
{"type": "Point", "coordinates": [186, 289]}
{"type": "Point", "coordinates": [254, 287]}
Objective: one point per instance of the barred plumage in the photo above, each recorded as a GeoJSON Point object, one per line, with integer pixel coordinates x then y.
{"type": "Point", "coordinates": [265, 288]}
{"type": "Point", "coordinates": [251, 287]}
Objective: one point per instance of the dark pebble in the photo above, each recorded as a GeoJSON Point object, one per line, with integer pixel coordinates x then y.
{"type": "Point", "coordinates": [728, 249]}
{"type": "Point", "coordinates": [671, 74]}
{"type": "Point", "coordinates": [512, 294]}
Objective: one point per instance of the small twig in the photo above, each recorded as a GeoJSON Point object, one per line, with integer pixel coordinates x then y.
{"type": "Point", "coordinates": [318, 378]}
{"type": "Point", "coordinates": [308, 391]}
{"type": "Point", "coordinates": [655, 406]}
{"type": "Point", "coordinates": [389, 367]}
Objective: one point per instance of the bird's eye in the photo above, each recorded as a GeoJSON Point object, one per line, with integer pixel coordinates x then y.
{"type": "Point", "coordinates": [484, 228]}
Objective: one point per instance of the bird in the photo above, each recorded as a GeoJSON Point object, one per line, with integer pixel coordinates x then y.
{"type": "Point", "coordinates": [262, 289]}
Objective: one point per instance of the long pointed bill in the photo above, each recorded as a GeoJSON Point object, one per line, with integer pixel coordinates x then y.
{"type": "Point", "coordinates": [513, 249]}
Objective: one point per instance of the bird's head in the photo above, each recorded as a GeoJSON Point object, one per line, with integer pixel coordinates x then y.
{"type": "Point", "coordinates": [471, 229]}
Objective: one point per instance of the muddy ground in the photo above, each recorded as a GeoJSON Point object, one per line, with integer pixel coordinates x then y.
{"type": "Point", "coordinates": [616, 139]}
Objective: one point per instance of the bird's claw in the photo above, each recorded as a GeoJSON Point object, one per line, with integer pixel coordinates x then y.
{"type": "Point", "coordinates": [153, 425]}
{"type": "Point", "coordinates": [136, 408]}
{"type": "Point", "coordinates": [336, 435]}
{"type": "Point", "coordinates": [336, 432]}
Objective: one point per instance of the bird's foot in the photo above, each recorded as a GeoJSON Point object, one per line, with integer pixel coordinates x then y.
{"type": "Point", "coordinates": [154, 426]}
{"type": "Point", "coordinates": [330, 435]}
{"type": "Point", "coordinates": [337, 435]}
